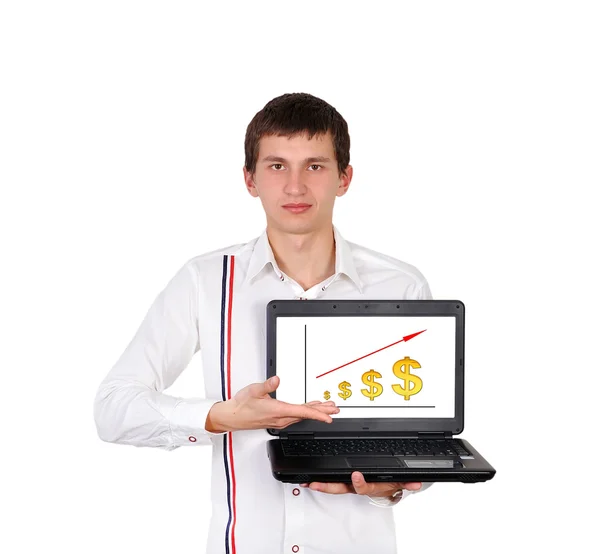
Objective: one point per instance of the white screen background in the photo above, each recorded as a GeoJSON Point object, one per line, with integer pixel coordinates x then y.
{"type": "Point", "coordinates": [334, 341]}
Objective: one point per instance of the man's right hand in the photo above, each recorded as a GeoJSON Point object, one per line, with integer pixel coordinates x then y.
{"type": "Point", "coordinates": [253, 408]}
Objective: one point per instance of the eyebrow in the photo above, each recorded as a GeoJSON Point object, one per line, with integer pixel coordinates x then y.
{"type": "Point", "coordinates": [307, 160]}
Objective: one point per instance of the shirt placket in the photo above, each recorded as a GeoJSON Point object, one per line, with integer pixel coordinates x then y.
{"type": "Point", "coordinates": [294, 519]}
{"type": "Point", "coordinates": [293, 494]}
{"type": "Point", "coordinates": [312, 293]}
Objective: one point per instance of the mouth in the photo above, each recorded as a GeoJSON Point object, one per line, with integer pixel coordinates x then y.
{"type": "Point", "coordinates": [297, 208]}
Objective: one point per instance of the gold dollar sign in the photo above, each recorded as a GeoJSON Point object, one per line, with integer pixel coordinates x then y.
{"type": "Point", "coordinates": [407, 377]}
{"type": "Point", "coordinates": [375, 389]}
{"type": "Point", "coordinates": [346, 393]}
{"type": "Point", "coordinates": [327, 396]}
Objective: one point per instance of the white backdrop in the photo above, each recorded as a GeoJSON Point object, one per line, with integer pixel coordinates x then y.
{"type": "Point", "coordinates": [475, 146]}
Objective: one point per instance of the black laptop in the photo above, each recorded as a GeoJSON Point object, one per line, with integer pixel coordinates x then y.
{"type": "Point", "coordinates": [395, 368]}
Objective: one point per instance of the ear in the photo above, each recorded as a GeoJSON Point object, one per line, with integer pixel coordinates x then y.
{"type": "Point", "coordinates": [345, 179]}
{"type": "Point", "coordinates": [249, 180]}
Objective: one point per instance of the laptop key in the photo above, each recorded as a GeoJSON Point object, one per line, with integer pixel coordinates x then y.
{"type": "Point", "coordinates": [367, 454]}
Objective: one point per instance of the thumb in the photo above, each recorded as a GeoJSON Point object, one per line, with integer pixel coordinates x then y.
{"type": "Point", "coordinates": [271, 384]}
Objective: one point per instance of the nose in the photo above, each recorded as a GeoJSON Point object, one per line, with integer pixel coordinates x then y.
{"type": "Point", "coordinates": [294, 184]}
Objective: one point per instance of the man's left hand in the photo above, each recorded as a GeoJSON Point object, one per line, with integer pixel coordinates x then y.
{"type": "Point", "coordinates": [360, 486]}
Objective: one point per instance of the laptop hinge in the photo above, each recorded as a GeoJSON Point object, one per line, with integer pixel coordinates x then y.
{"type": "Point", "coordinates": [438, 435]}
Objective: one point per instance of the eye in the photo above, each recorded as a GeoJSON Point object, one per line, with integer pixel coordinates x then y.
{"type": "Point", "coordinates": [315, 165]}
{"type": "Point", "coordinates": [275, 165]}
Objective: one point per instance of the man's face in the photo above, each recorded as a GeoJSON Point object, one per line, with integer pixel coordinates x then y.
{"type": "Point", "coordinates": [297, 182]}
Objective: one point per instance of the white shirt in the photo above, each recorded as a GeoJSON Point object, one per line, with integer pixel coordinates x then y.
{"type": "Point", "coordinates": [215, 304]}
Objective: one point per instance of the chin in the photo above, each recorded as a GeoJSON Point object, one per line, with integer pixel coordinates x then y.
{"type": "Point", "coordinates": [296, 227]}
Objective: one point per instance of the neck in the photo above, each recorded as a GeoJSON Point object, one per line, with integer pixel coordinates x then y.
{"type": "Point", "coordinates": [307, 258]}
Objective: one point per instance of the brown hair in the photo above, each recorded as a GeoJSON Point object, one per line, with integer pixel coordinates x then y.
{"type": "Point", "coordinates": [296, 113]}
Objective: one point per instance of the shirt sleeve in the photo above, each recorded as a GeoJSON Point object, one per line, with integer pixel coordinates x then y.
{"type": "Point", "coordinates": [130, 406]}
{"type": "Point", "coordinates": [424, 292]}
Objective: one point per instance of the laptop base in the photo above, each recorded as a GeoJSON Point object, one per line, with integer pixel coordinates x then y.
{"type": "Point", "coordinates": [338, 469]}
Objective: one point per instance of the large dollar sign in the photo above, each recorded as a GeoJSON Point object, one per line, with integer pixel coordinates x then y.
{"type": "Point", "coordinates": [407, 377]}
{"type": "Point", "coordinates": [375, 389]}
{"type": "Point", "coordinates": [345, 388]}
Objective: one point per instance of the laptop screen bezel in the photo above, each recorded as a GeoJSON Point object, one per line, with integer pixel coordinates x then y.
{"type": "Point", "coordinates": [367, 308]}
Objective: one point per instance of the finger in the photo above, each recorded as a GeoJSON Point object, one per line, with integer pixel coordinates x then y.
{"type": "Point", "coordinates": [318, 403]}
{"type": "Point", "coordinates": [327, 409]}
{"type": "Point", "coordinates": [410, 486]}
{"type": "Point", "coordinates": [270, 385]}
{"type": "Point", "coordinates": [360, 485]}
{"type": "Point", "coordinates": [260, 390]}
{"type": "Point", "coordinates": [328, 403]}
{"type": "Point", "coordinates": [379, 489]}
{"type": "Point", "coordinates": [331, 488]}
{"type": "Point", "coordinates": [304, 412]}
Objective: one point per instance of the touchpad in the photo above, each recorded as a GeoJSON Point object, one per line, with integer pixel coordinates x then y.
{"type": "Point", "coordinates": [373, 462]}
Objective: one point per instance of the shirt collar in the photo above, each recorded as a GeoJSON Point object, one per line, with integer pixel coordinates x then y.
{"type": "Point", "coordinates": [262, 254]}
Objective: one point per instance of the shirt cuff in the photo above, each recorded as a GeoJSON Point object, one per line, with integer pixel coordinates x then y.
{"type": "Point", "coordinates": [188, 420]}
{"type": "Point", "coordinates": [388, 502]}
{"type": "Point", "coordinates": [385, 502]}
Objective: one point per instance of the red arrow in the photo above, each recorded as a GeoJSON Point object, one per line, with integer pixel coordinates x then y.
{"type": "Point", "coordinates": [405, 339]}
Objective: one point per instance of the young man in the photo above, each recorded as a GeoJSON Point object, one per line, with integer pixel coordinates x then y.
{"type": "Point", "coordinates": [297, 152]}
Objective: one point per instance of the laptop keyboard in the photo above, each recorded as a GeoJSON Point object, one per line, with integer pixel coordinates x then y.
{"type": "Point", "coordinates": [373, 447]}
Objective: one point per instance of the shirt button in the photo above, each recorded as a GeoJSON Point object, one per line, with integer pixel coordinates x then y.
{"type": "Point", "coordinates": [296, 492]}
{"type": "Point", "coordinates": [295, 548]}
{"type": "Point", "coordinates": [282, 278]}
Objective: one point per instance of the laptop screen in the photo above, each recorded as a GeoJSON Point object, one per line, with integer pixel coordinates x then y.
{"type": "Point", "coordinates": [375, 366]}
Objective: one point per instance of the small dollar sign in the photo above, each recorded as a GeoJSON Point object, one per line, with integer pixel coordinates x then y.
{"type": "Point", "coordinates": [375, 389]}
{"type": "Point", "coordinates": [407, 377]}
{"type": "Point", "coordinates": [345, 388]}
{"type": "Point", "coordinates": [327, 396]}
